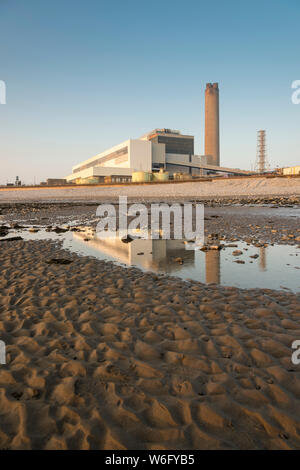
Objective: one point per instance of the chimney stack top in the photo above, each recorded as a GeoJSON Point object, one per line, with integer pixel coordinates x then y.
{"type": "Point", "coordinates": [212, 85]}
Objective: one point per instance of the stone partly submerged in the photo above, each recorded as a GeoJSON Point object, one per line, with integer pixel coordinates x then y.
{"type": "Point", "coordinates": [11, 239]}
{"type": "Point", "coordinates": [127, 239]}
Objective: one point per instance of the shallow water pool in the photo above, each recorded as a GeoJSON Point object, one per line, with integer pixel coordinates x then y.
{"type": "Point", "coordinates": [273, 267]}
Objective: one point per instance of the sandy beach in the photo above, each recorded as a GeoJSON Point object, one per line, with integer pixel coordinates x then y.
{"type": "Point", "coordinates": [224, 188]}
{"type": "Point", "coordinates": [149, 231]}
{"type": "Point", "coordinates": [105, 357]}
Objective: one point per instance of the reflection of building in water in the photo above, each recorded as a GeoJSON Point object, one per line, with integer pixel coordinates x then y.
{"type": "Point", "coordinates": [213, 266]}
{"type": "Point", "coordinates": [165, 252]}
{"type": "Point", "coordinates": [262, 259]}
{"type": "Point", "coordinates": [149, 254]}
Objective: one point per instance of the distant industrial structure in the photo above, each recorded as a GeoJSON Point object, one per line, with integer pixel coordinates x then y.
{"type": "Point", "coordinates": [261, 165]}
{"type": "Point", "coordinates": [291, 170]}
{"type": "Point", "coordinates": [17, 182]}
{"type": "Point", "coordinates": [212, 137]}
{"type": "Point", "coordinates": [159, 154]}
{"type": "Point", "coordinates": [55, 181]}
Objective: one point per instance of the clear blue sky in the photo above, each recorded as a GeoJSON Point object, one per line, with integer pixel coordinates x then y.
{"type": "Point", "coordinates": [82, 76]}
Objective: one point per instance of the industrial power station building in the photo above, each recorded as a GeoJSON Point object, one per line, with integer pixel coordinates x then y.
{"type": "Point", "coordinates": [159, 150]}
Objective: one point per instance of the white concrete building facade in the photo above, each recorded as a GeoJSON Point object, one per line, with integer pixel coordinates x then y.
{"type": "Point", "coordinates": [146, 154]}
{"type": "Point", "coordinates": [120, 160]}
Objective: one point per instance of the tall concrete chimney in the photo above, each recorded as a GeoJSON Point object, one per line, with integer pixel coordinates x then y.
{"type": "Point", "coordinates": [212, 138]}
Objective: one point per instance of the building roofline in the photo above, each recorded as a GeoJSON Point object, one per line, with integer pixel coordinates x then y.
{"type": "Point", "coordinates": [171, 133]}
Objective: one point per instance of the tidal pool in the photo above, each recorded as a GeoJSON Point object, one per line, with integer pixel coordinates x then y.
{"type": "Point", "coordinates": [273, 267]}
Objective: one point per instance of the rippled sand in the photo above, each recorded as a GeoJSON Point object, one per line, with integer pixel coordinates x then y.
{"type": "Point", "coordinates": [101, 357]}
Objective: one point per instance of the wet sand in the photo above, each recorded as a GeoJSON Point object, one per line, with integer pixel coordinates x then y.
{"type": "Point", "coordinates": [103, 357]}
{"type": "Point", "coordinates": [269, 224]}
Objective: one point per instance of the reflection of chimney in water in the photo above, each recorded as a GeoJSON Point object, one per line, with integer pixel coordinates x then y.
{"type": "Point", "coordinates": [213, 266]}
{"type": "Point", "coordinates": [262, 259]}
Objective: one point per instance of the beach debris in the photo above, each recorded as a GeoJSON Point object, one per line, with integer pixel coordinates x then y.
{"type": "Point", "coordinates": [60, 230]}
{"type": "Point", "coordinates": [59, 261]}
{"type": "Point", "coordinates": [4, 231]}
{"type": "Point", "coordinates": [178, 260]}
{"type": "Point", "coordinates": [11, 239]}
{"type": "Point", "coordinates": [213, 235]}
{"type": "Point", "coordinates": [237, 252]}
{"type": "Point", "coordinates": [254, 256]}
{"type": "Point", "coordinates": [33, 230]}
{"type": "Point", "coordinates": [127, 239]}
{"type": "Point", "coordinates": [16, 226]}
{"type": "Point", "coordinates": [239, 261]}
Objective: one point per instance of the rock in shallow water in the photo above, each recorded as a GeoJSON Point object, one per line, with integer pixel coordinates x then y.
{"type": "Point", "coordinates": [11, 239]}
{"type": "Point", "coordinates": [237, 253]}
{"type": "Point", "coordinates": [127, 239]}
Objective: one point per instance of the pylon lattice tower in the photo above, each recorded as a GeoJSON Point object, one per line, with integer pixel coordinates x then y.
{"type": "Point", "coordinates": [261, 164]}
